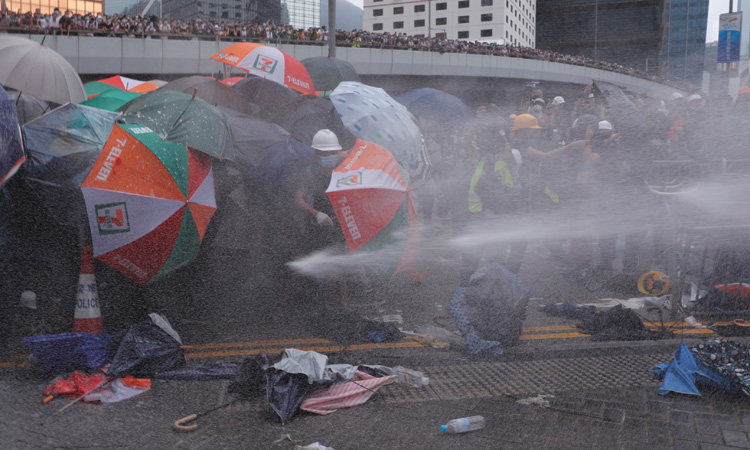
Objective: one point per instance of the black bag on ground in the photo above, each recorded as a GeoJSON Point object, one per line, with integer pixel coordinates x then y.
{"type": "Point", "coordinates": [495, 303]}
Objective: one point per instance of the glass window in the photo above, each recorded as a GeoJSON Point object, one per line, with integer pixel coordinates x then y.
{"type": "Point", "coordinates": [463, 19]}
{"type": "Point", "coordinates": [398, 10]}
{"type": "Point", "coordinates": [486, 17]}
{"type": "Point", "coordinates": [486, 2]}
{"type": "Point", "coordinates": [441, 21]}
{"type": "Point", "coordinates": [377, 12]}
{"type": "Point", "coordinates": [419, 23]}
{"type": "Point", "coordinates": [377, 26]}
{"type": "Point", "coordinates": [441, 6]}
{"type": "Point", "coordinates": [419, 8]}
{"type": "Point", "coordinates": [463, 35]}
{"type": "Point", "coordinates": [397, 25]}
{"type": "Point", "coordinates": [485, 33]}
{"type": "Point", "coordinates": [463, 4]}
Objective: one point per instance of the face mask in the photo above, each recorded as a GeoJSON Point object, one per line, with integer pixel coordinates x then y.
{"type": "Point", "coordinates": [329, 162]}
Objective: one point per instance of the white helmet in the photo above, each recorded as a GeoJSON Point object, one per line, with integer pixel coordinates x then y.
{"type": "Point", "coordinates": [325, 140]}
{"type": "Point", "coordinates": [605, 125]}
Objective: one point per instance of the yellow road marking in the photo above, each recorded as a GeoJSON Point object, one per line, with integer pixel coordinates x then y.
{"type": "Point", "coordinates": [529, 337]}
{"type": "Point", "coordinates": [319, 349]}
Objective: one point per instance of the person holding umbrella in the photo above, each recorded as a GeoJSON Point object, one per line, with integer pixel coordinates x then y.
{"type": "Point", "coordinates": [322, 229]}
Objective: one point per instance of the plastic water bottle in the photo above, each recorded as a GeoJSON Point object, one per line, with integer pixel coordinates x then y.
{"type": "Point", "coordinates": [411, 377]}
{"type": "Point", "coordinates": [463, 425]}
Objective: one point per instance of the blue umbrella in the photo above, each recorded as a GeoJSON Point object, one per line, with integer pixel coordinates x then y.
{"type": "Point", "coordinates": [437, 109]}
{"type": "Point", "coordinates": [62, 146]}
{"type": "Point", "coordinates": [11, 146]}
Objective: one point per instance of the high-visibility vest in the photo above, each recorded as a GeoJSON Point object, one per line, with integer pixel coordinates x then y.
{"type": "Point", "coordinates": [503, 174]}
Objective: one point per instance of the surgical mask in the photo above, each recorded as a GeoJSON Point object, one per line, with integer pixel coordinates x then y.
{"type": "Point", "coordinates": [329, 162]}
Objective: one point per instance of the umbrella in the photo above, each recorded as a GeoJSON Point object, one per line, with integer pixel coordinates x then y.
{"type": "Point", "coordinates": [180, 118]}
{"type": "Point", "coordinates": [231, 81]}
{"type": "Point", "coordinates": [149, 202]}
{"type": "Point", "coordinates": [146, 350]}
{"type": "Point", "coordinates": [111, 100]}
{"type": "Point", "coordinates": [118, 82]}
{"type": "Point", "coordinates": [327, 72]}
{"type": "Point", "coordinates": [210, 90]}
{"type": "Point", "coordinates": [373, 115]}
{"type": "Point", "coordinates": [38, 70]}
{"type": "Point", "coordinates": [28, 107]}
{"type": "Point", "coordinates": [308, 114]}
{"type": "Point", "coordinates": [267, 62]}
{"type": "Point", "coordinates": [438, 110]}
{"type": "Point", "coordinates": [371, 195]}
{"type": "Point", "coordinates": [62, 147]}
{"type": "Point", "coordinates": [11, 146]}
{"type": "Point", "coordinates": [265, 152]}
{"type": "Point", "coordinates": [272, 99]}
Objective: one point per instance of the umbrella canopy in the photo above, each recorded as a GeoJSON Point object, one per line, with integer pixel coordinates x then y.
{"type": "Point", "coordinates": [372, 198]}
{"type": "Point", "coordinates": [437, 110]}
{"type": "Point", "coordinates": [11, 146]}
{"type": "Point", "coordinates": [267, 62]}
{"type": "Point", "coordinates": [149, 202]}
{"type": "Point", "coordinates": [144, 351]}
{"type": "Point", "coordinates": [373, 115]}
{"type": "Point", "coordinates": [327, 72]}
{"type": "Point", "coordinates": [210, 90]}
{"type": "Point", "coordinates": [111, 100]}
{"type": "Point", "coordinates": [62, 147]}
{"type": "Point", "coordinates": [308, 114]}
{"type": "Point", "coordinates": [120, 83]}
{"type": "Point", "coordinates": [231, 81]}
{"type": "Point", "coordinates": [28, 107]}
{"type": "Point", "coordinates": [266, 153]}
{"type": "Point", "coordinates": [273, 100]}
{"type": "Point", "coordinates": [38, 70]}
{"type": "Point", "coordinates": [178, 117]}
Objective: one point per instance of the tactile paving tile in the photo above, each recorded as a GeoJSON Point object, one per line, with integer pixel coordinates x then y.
{"type": "Point", "coordinates": [516, 378]}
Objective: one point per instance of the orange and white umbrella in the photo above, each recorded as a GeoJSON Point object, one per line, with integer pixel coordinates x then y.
{"type": "Point", "coordinates": [148, 202]}
{"type": "Point", "coordinates": [374, 204]}
{"type": "Point", "coordinates": [126, 84]}
{"type": "Point", "coordinates": [267, 62]}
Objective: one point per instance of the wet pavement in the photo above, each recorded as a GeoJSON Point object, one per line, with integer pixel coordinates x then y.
{"type": "Point", "coordinates": [556, 389]}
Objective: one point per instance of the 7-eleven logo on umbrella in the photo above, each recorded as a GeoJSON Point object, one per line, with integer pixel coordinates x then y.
{"type": "Point", "coordinates": [112, 218]}
{"type": "Point", "coordinates": [265, 64]}
{"type": "Point", "coordinates": [350, 180]}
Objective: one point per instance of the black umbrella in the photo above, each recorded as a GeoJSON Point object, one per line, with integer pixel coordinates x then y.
{"type": "Point", "coordinates": [146, 350]}
{"type": "Point", "coordinates": [211, 91]}
{"type": "Point", "coordinates": [272, 99]}
{"type": "Point", "coordinates": [327, 72]}
{"type": "Point", "coordinates": [309, 114]}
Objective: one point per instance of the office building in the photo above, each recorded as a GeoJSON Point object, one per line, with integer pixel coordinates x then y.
{"type": "Point", "coordinates": [508, 21]}
{"type": "Point", "coordinates": [242, 11]}
{"type": "Point", "coordinates": [301, 13]}
{"type": "Point", "coordinates": [621, 31]}
{"type": "Point", "coordinates": [48, 6]}
{"type": "Point", "coordinates": [683, 40]}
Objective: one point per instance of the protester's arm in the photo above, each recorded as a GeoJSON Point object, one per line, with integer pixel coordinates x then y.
{"type": "Point", "coordinates": [320, 217]}
{"type": "Point", "coordinates": [533, 153]}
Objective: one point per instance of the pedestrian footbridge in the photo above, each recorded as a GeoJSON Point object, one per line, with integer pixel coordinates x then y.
{"type": "Point", "coordinates": [157, 56]}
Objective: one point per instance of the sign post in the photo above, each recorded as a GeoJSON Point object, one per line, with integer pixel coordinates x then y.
{"type": "Point", "coordinates": [730, 28]}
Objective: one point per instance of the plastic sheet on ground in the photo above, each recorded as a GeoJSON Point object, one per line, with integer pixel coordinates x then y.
{"type": "Point", "coordinates": [343, 395]}
{"type": "Point", "coordinates": [686, 373]}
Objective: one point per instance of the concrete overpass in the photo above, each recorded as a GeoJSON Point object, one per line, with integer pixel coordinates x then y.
{"type": "Point", "coordinates": [168, 58]}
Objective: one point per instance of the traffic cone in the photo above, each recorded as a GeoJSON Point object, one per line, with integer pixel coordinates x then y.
{"type": "Point", "coordinates": [88, 316]}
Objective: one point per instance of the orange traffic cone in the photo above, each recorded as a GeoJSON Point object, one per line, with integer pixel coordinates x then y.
{"type": "Point", "coordinates": [88, 316]}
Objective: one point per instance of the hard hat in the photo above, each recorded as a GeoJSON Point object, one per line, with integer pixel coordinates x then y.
{"type": "Point", "coordinates": [325, 140]}
{"type": "Point", "coordinates": [538, 100]}
{"type": "Point", "coordinates": [695, 97]}
{"type": "Point", "coordinates": [584, 121]}
{"type": "Point", "coordinates": [605, 125]}
{"type": "Point", "coordinates": [525, 121]}
{"type": "Point", "coordinates": [676, 96]}
{"type": "Point", "coordinates": [558, 100]}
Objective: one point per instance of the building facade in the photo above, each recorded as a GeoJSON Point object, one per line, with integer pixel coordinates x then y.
{"type": "Point", "coordinates": [301, 13]}
{"type": "Point", "coordinates": [507, 21]}
{"type": "Point", "coordinates": [242, 11]}
{"type": "Point", "coordinates": [683, 42]}
{"type": "Point", "coordinates": [48, 6]}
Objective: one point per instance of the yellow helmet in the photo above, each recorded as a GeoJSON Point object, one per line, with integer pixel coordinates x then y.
{"type": "Point", "coordinates": [525, 121]}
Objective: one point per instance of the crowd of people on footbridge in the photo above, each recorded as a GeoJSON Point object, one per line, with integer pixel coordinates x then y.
{"type": "Point", "coordinates": [95, 24]}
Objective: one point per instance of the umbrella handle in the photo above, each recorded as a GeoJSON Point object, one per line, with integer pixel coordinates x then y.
{"type": "Point", "coordinates": [179, 424]}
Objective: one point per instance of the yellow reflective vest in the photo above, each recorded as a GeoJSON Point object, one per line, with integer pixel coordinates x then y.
{"type": "Point", "coordinates": [503, 174]}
